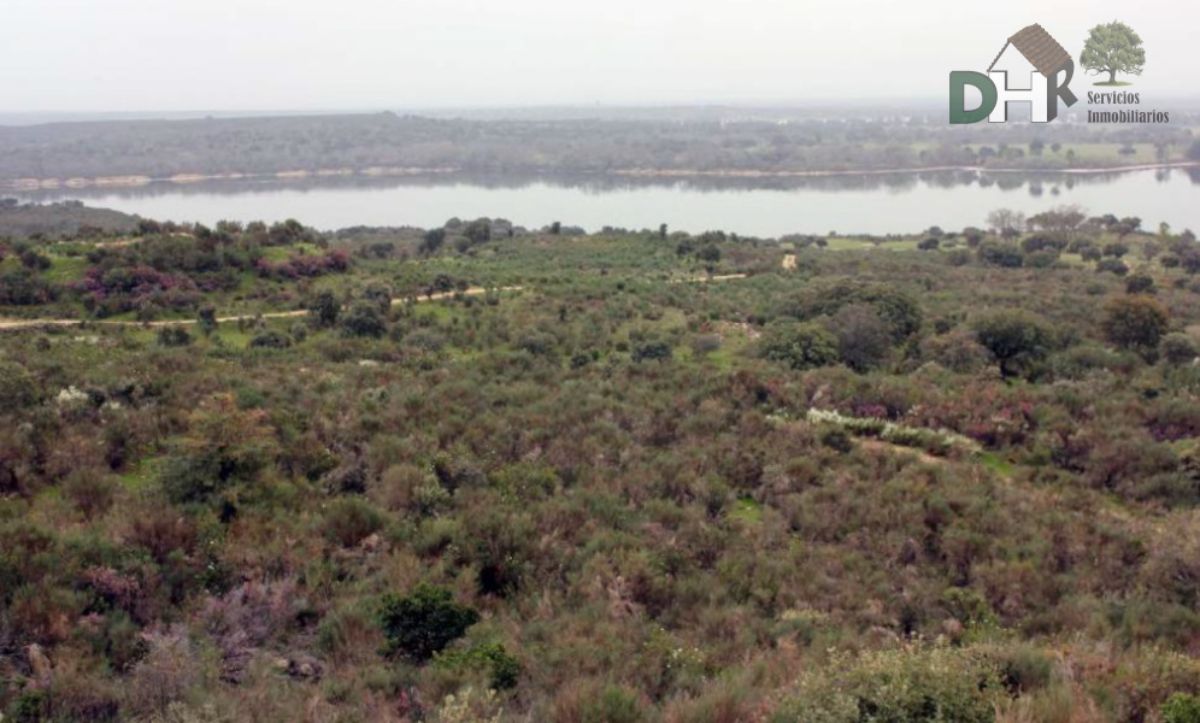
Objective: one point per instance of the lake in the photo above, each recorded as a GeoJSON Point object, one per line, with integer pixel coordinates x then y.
{"type": "Point", "coordinates": [876, 204]}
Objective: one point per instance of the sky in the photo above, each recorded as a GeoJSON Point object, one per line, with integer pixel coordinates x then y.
{"type": "Point", "coordinates": [229, 55]}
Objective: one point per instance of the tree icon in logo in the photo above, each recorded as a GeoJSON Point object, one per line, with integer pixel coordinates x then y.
{"type": "Point", "coordinates": [1113, 48]}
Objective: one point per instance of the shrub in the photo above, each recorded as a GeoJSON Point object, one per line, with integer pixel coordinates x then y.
{"type": "Point", "coordinates": [1139, 284]}
{"type": "Point", "coordinates": [324, 309]}
{"type": "Point", "coordinates": [652, 350]}
{"type": "Point", "coordinates": [225, 446]}
{"type": "Point", "coordinates": [1115, 249]}
{"type": "Point", "coordinates": [1181, 708]}
{"type": "Point", "coordinates": [704, 344]}
{"type": "Point", "coordinates": [21, 288]}
{"type": "Point", "coordinates": [956, 350]}
{"type": "Point", "coordinates": [207, 320]}
{"type": "Point", "coordinates": [1017, 340]}
{"type": "Point", "coordinates": [799, 345]}
{"type": "Point", "coordinates": [1000, 253]}
{"type": "Point", "coordinates": [909, 684]}
{"type": "Point", "coordinates": [432, 240]}
{"type": "Point", "coordinates": [90, 491]}
{"type": "Point", "coordinates": [34, 261]}
{"type": "Point", "coordinates": [503, 669]}
{"type": "Point", "coordinates": [1041, 259]}
{"type": "Point", "coordinates": [1179, 349]}
{"type": "Point", "coordinates": [18, 389]}
{"type": "Point", "coordinates": [363, 318]}
{"type": "Point", "coordinates": [173, 336]}
{"type": "Point", "coordinates": [270, 339]}
{"type": "Point", "coordinates": [837, 439]}
{"type": "Point", "coordinates": [1078, 361]}
{"type": "Point", "coordinates": [423, 623]}
{"type": "Point", "coordinates": [1134, 322]}
{"type": "Point", "coordinates": [863, 338]}
{"type": "Point", "coordinates": [611, 704]}
{"type": "Point", "coordinates": [351, 520]}
{"type": "Point", "coordinates": [1025, 669]}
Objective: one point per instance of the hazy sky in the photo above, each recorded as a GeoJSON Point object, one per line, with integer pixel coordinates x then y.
{"type": "Point", "coordinates": [136, 55]}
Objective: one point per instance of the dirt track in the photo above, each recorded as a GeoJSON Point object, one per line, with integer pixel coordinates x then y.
{"type": "Point", "coordinates": [18, 324]}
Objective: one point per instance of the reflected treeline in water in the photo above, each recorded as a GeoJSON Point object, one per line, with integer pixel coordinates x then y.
{"type": "Point", "coordinates": [1038, 183]}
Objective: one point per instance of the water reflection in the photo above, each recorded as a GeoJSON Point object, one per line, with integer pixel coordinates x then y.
{"type": "Point", "coordinates": [898, 181]}
{"type": "Point", "coordinates": [750, 204]}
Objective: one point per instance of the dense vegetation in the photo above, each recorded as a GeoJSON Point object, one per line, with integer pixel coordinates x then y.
{"type": "Point", "coordinates": [849, 139]}
{"type": "Point", "coordinates": [66, 218]}
{"type": "Point", "coordinates": [951, 477]}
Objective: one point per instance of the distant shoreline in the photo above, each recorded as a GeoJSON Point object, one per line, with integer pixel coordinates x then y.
{"type": "Point", "coordinates": [27, 185]}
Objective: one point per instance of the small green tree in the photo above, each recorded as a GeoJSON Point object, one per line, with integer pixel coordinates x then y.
{"type": "Point", "coordinates": [479, 231]}
{"type": "Point", "coordinates": [800, 346]}
{"type": "Point", "coordinates": [1016, 339]}
{"type": "Point", "coordinates": [324, 309]}
{"type": "Point", "coordinates": [208, 320]}
{"type": "Point", "coordinates": [1113, 48]}
{"type": "Point", "coordinates": [432, 240]}
{"type": "Point", "coordinates": [1135, 322]}
{"type": "Point", "coordinates": [1179, 349]}
{"type": "Point", "coordinates": [364, 319]}
{"type": "Point", "coordinates": [18, 388]}
{"type": "Point", "coordinates": [709, 253]}
{"type": "Point", "coordinates": [423, 623]}
{"type": "Point", "coordinates": [863, 338]}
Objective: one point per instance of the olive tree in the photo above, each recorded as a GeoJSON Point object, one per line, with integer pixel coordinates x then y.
{"type": "Point", "coordinates": [1016, 339]}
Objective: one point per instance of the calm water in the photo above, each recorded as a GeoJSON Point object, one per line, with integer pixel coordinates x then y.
{"type": "Point", "coordinates": [907, 202]}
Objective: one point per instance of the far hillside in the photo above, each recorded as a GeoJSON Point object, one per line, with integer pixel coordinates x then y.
{"type": "Point", "coordinates": [18, 220]}
{"type": "Point", "coordinates": [126, 151]}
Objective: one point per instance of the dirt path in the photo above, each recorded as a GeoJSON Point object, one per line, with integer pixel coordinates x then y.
{"type": "Point", "coordinates": [17, 324]}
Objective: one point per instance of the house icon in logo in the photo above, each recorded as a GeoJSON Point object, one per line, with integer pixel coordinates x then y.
{"type": "Point", "coordinates": [1031, 68]}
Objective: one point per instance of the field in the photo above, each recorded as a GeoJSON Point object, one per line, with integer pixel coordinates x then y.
{"type": "Point", "coordinates": [639, 476]}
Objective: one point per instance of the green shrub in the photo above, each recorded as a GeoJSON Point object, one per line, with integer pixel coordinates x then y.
{"type": "Point", "coordinates": [1000, 253]}
{"type": "Point", "coordinates": [1017, 340]}
{"type": "Point", "coordinates": [836, 439]}
{"type": "Point", "coordinates": [1181, 708]}
{"type": "Point", "coordinates": [1025, 669]}
{"type": "Point", "coordinates": [1135, 322]}
{"type": "Point", "coordinates": [612, 704]}
{"type": "Point", "coordinates": [503, 669]}
{"type": "Point", "coordinates": [907, 685]}
{"type": "Point", "coordinates": [423, 623]}
{"type": "Point", "coordinates": [351, 520]}
{"type": "Point", "coordinates": [90, 491]}
{"type": "Point", "coordinates": [799, 345]}
{"type": "Point", "coordinates": [1179, 349]}
{"type": "Point", "coordinates": [171, 336]}
{"type": "Point", "coordinates": [652, 350]}
{"type": "Point", "coordinates": [270, 339]}
{"type": "Point", "coordinates": [18, 389]}
{"type": "Point", "coordinates": [363, 318]}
